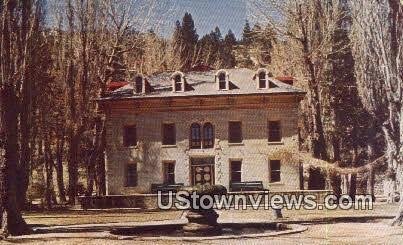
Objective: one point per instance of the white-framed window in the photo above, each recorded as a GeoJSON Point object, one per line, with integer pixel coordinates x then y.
{"type": "Point", "coordinates": [235, 132]}
{"type": "Point", "coordinates": [235, 171]}
{"type": "Point", "coordinates": [169, 173]}
{"type": "Point", "coordinates": [222, 80]}
{"type": "Point", "coordinates": [168, 134]}
{"type": "Point", "coordinates": [274, 131]}
{"type": "Point", "coordinates": [131, 175]}
{"type": "Point", "coordinates": [275, 171]}
{"type": "Point", "coordinates": [262, 75]}
{"type": "Point", "coordinates": [129, 135]}
{"type": "Point", "coordinates": [178, 82]}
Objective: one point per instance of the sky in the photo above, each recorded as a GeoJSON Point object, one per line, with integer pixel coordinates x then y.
{"type": "Point", "coordinates": [207, 14]}
{"type": "Point", "coordinates": [161, 15]}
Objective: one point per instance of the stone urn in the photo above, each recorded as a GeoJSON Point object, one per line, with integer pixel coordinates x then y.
{"type": "Point", "coordinates": [202, 221]}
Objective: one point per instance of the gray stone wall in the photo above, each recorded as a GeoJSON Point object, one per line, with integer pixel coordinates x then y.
{"type": "Point", "coordinates": [150, 154]}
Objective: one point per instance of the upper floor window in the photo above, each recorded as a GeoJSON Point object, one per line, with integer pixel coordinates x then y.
{"type": "Point", "coordinates": [131, 175]}
{"type": "Point", "coordinates": [199, 135]}
{"type": "Point", "coordinates": [168, 134]}
{"type": "Point", "coordinates": [222, 78]}
{"type": "Point", "coordinates": [208, 135]}
{"type": "Point", "coordinates": [169, 173]}
{"type": "Point", "coordinates": [274, 128]}
{"type": "Point", "coordinates": [178, 82]}
{"type": "Point", "coordinates": [139, 83]}
{"type": "Point", "coordinates": [235, 132]}
{"type": "Point", "coordinates": [130, 136]}
{"type": "Point", "coordinates": [275, 171]}
{"type": "Point", "coordinates": [262, 79]}
{"type": "Point", "coordinates": [195, 136]}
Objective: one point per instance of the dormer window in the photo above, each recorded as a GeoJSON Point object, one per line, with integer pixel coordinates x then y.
{"type": "Point", "coordinates": [178, 82]}
{"type": "Point", "coordinates": [222, 78]}
{"type": "Point", "coordinates": [139, 85]}
{"type": "Point", "coordinates": [262, 79]}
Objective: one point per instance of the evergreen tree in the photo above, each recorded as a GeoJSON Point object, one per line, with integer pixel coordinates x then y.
{"type": "Point", "coordinates": [185, 40]}
{"type": "Point", "coordinates": [246, 34]}
{"type": "Point", "coordinates": [256, 46]}
{"type": "Point", "coordinates": [228, 54]}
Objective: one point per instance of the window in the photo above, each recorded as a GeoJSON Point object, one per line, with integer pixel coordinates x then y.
{"type": "Point", "coordinates": [275, 174]}
{"type": "Point", "coordinates": [274, 129]}
{"type": "Point", "coordinates": [131, 175]}
{"type": "Point", "coordinates": [169, 173]}
{"type": "Point", "coordinates": [236, 171]}
{"type": "Point", "coordinates": [139, 84]}
{"type": "Point", "coordinates": [235, 132]}
{"type": "Point", "coordinates": [168, 134]}
{"type": "Point", "coordinates": [222, 81]}
{"type": "Point", "coordinates": [208, 135]}
{"type": "Point", "coordinates": [195, 136]}
{"type": "Point", "coordinates": [262, 80]}
{"type": "Point", "coordinates": [178, 83]}
{"type": "Point", "coordinates": [130, 136]}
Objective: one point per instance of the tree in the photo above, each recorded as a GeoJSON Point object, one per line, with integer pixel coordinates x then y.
{"type": "Point", "coordinates": [228, 56]}
{"type": "Point", "coordinates": [184, 42]}
{"type": "Point", "coordinates": [17, 17]}
{"type": "Point", "coordinates": [377, 40]}
{"type": "Point", "coordinates": [246, 33]}
{"type": "Point", "coordinates": [313, 46]}
{"type": "Point", "coordinates": [210, 49]}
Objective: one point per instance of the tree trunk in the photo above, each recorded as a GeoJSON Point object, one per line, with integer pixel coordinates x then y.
{"type": "Point", "coordinates": [73, 166]}
{"type": "Point", "coordinates": [335, 181]}
{"type": "Point", "coordinates": [371, 183]}
{"type": "Point", "coordinates": [25, 158]}
{"type": "Point", "coordinates": [59, 169]}
{"type": "Point", "coordinates": [49, 191]}
{"type": "Point", "coordinates": [101, 166]}
{"type": "Point", "coordinates": [11, 218]}
{"type": "Point", "coordinates": [353, 186]}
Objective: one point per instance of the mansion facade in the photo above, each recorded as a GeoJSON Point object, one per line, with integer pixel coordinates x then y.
{"type": "Point", "coordinates": [201, 127]}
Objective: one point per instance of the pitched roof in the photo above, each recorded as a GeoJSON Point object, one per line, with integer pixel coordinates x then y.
{"type": "Point", "coordinates": [242, 82]}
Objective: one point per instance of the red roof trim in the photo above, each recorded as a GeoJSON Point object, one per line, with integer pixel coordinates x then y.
{"type": "Point", "coordinates": [112, 86]}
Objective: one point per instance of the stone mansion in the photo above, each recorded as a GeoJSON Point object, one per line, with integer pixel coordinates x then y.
{"type": "Point", "coordinates": [201, 127]}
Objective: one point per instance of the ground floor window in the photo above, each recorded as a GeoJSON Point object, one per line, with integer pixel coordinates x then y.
{"type": "Point", "coordinates": [131, 175]}
{"type": "Point", "coordinates": [169, 173]}
{"type": "Point", "coordinates": [236, 171]}
{"type": "Point", "coordinates": [275, 171]}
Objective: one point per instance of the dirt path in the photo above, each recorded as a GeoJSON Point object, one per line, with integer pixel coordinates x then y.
{"type": "Point", "coordinates": [337, 233]}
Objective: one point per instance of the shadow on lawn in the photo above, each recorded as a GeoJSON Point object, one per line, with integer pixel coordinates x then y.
{"type": "Point", "coordinates": [44, 229]}
{"type": "Point", "coordinates": [333, 220]}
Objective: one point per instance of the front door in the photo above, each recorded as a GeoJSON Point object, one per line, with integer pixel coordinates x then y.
{"type": "Point", "coordinates": [202, 171]}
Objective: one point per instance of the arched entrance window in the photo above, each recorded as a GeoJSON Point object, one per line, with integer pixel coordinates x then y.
{"type": "Point", "coordinates": [195, 136]}
{"type": "Point", "coordinates": [208, 135]}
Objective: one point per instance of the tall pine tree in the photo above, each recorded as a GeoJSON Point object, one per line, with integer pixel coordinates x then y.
{"type": "Point", "coordinates": [185, 40]}
{"type": "Point", "coordinates": [228, 57]}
